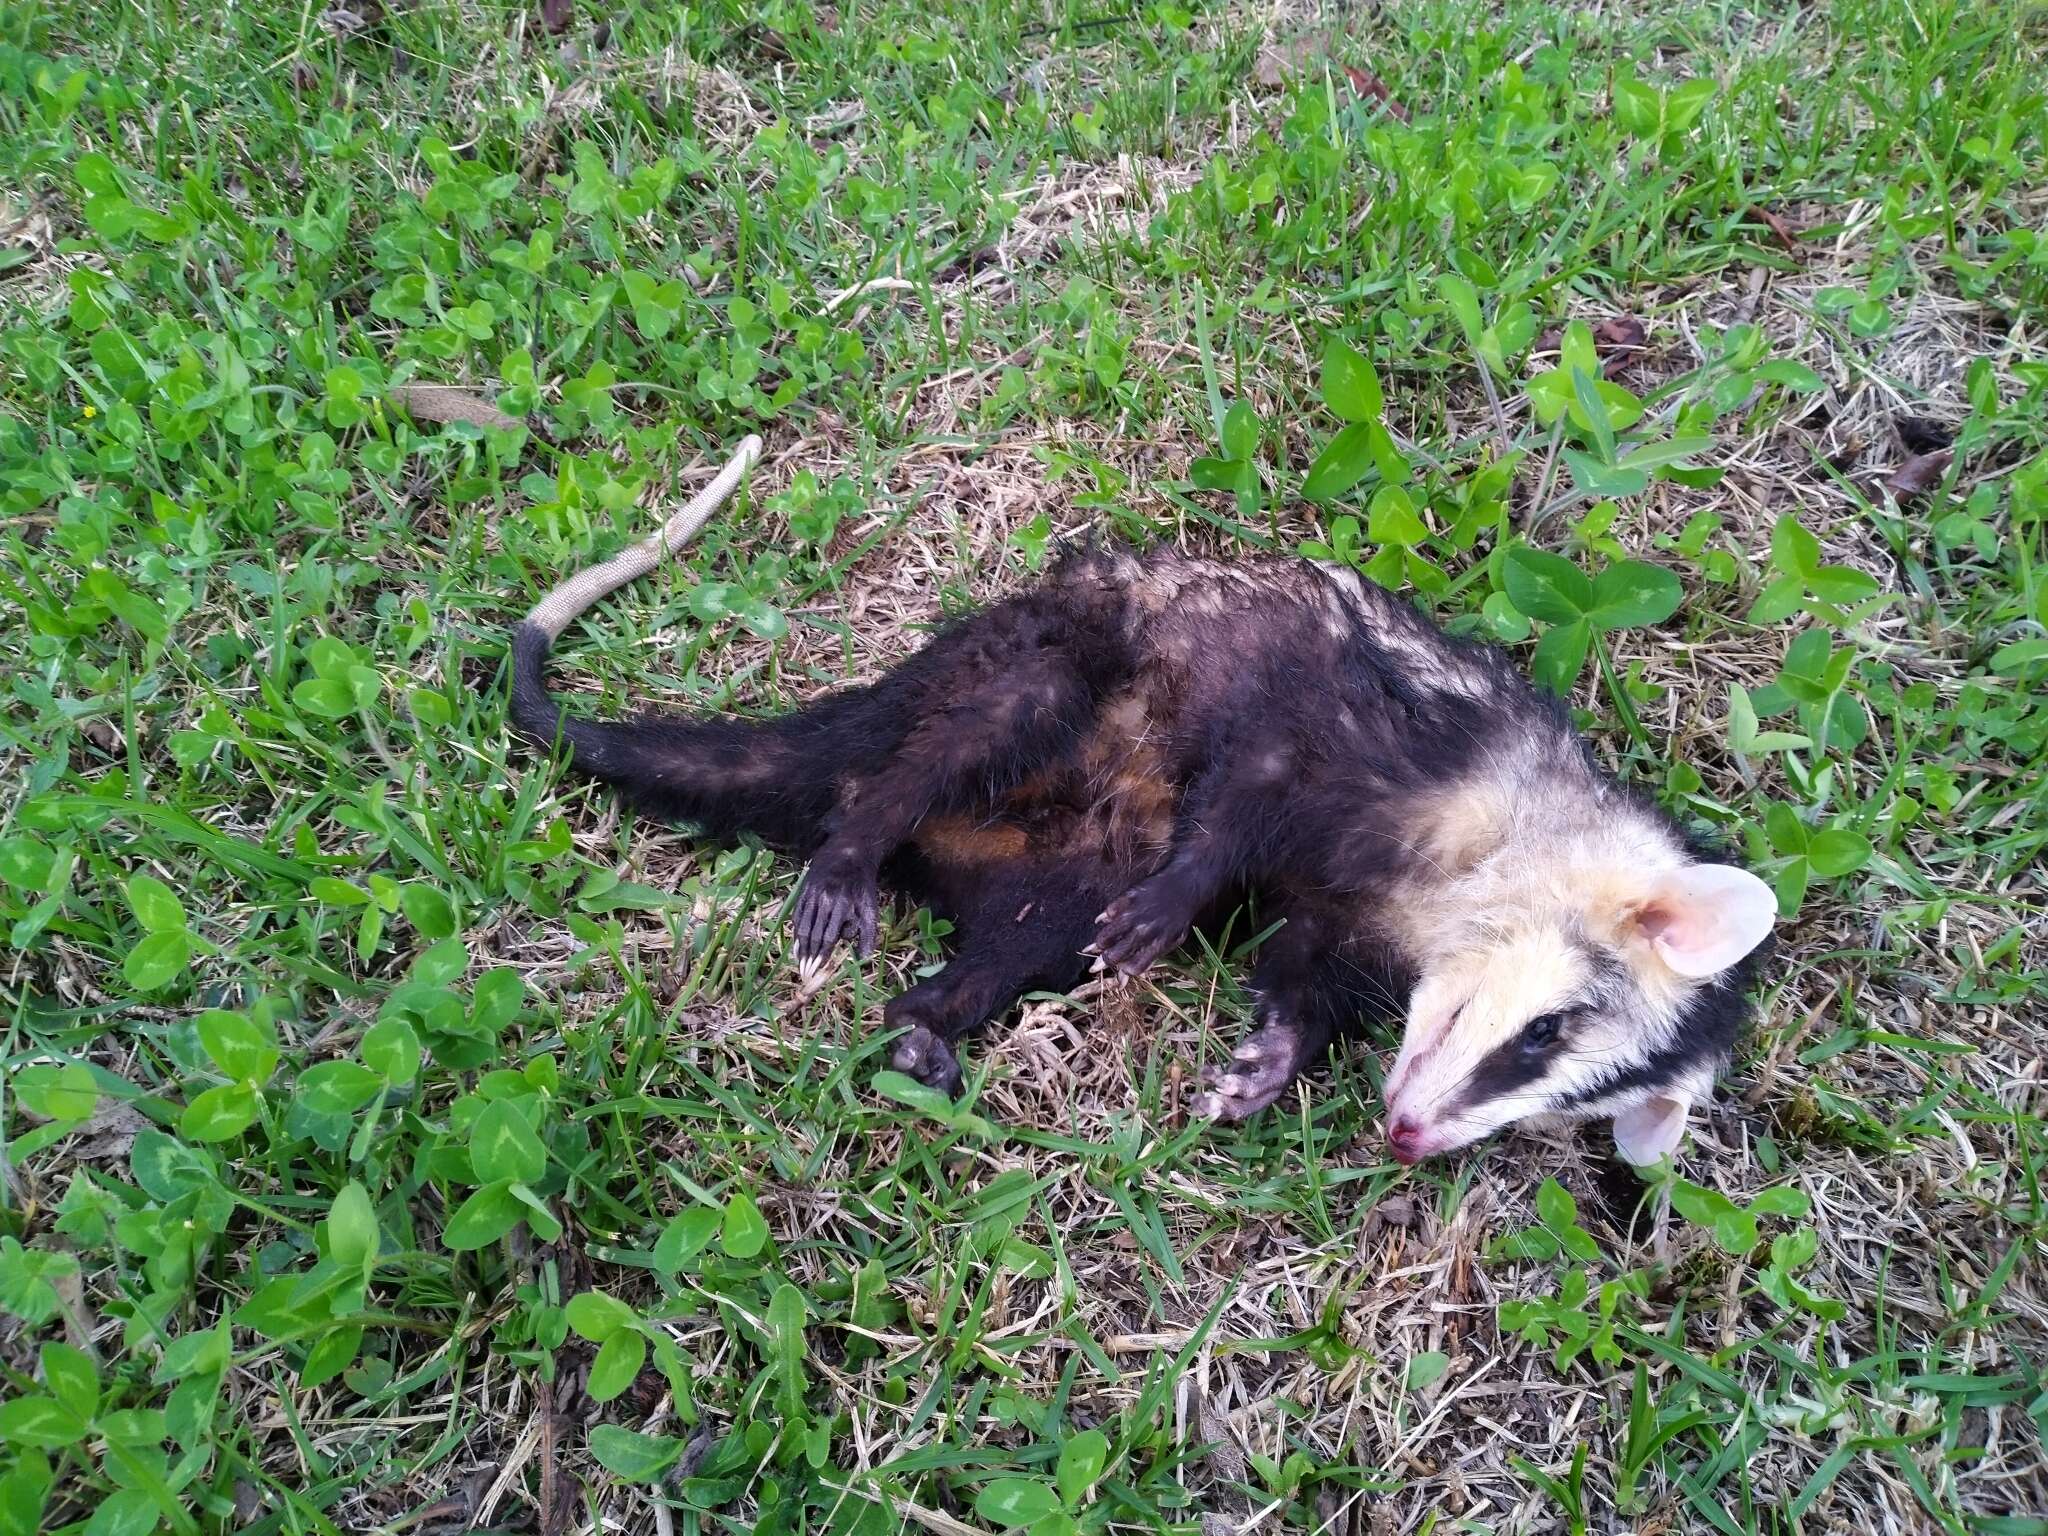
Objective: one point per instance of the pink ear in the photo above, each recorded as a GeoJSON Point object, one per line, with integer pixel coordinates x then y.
{"type": "Point", "coordinates": [1647, 1131]}
{"type": "Point", "coordinates": [1705, 917]}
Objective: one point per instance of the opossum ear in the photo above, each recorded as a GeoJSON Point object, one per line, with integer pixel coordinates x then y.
{"type": "Point", "coordinates": [1705, 917]}
{"type": "Point", "coordinates": [1651, 1129]}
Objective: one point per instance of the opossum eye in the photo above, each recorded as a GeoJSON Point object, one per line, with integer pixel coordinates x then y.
{"type": "Point", "coordinates": [1541, 1032]}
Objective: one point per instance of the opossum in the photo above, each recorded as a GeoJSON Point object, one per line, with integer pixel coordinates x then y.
{"type": "Point", "coordinates": [1078, 774]}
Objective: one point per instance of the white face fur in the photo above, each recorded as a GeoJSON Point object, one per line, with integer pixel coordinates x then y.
{"type": "Point", "coordinates": [1566, 999]}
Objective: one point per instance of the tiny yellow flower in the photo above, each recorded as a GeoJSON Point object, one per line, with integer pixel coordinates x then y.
{"type": "Point", "coordinates": [91, 411]}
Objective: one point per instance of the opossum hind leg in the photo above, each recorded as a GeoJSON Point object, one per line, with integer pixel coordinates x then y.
{"type": "Point", "coordinates": [1004, 696]}
{"type": "Point", "coordinates": [1024, 934]}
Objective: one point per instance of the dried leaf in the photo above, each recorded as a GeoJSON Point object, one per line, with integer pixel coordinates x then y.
{"type": "Point", "coordinates": [304, 77]}
{"type": "Point", "coordinates": [248, 1502]}
{"type": "Point", "coordinates": [108, 1135]}
{"type": "Point", "coordinates": [1269, 70]}
{"type": "Point", "coordinates": [968, 264]}
{"type": "Point", "coordinates": [555, 15]}
{"type": "Point", "coordinates": [442, 1513]}
{"type": "Point", "coordinates": [78, 1318]}
{"type": "Point", "coordinates": [1330, 1503]}
{"type": "Point", "coordinates": [700, 1445]}
{"type": "Point", "coordinates": [1366, 83]}
{"type": "Point", "coordinates": [767, 42]}
{"type": "Point", "coordinates": [1395, 1211]}
{"type": "Point", "coordinates": [836, 119]}
{"type": "Point", "coordinates": [1787, 235]}
{"type": "Point", "coordinates": [1615, 341]}
{"type": "Point", "coordinates": [1280, 62]}
{"type": "Point", "coordinates": [1919, 474]}
{"type": "Point", "coordinates": [352, 18]}
{"type": "Point", "coordinates": [1923, 434]}
{"type": "Point", "coordinates": [1620, 332]}
{"type": "Point", "coordinates": [449, 402]}
{"type": "Point", "coordinates": [454, 1512]}
{"type": "Point", "coordinates": [1225, 1452]}
{"type": "Point", "coordinates": [1032, 79]}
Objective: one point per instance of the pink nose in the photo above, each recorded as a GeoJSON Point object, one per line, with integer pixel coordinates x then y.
{"type": "Point", "coordinates": [1404, 1139]}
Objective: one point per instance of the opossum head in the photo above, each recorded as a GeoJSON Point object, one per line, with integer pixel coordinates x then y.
{"type": "Point", "coordinates": [1613, 988]}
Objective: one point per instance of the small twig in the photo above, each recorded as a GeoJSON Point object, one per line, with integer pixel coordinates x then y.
{"type": "Point", "coordinates": [1752, 293]}
{"type": "Point", "coordinates": [1545, 482]}
{"type": "Point", "coordinates": [1786, 235]}
{"type": "Point", "coordinates": [1092, 24]}
{"type": "Point", "coordinates": [664, 1520]}
{"type": "Point", "coordinates": [931, 1519]}
{"type": "Point", "coordinates": [70, 1291]}
{"type": "Point", "coordinates": [552, 1512]}
{"type": "Point", "coordinates": [382, 749]}
{"type": "Point", "coordinates": [12, 1195]}
{"type": "Point", "coordinates": [872, 285]}
{"type": "Point", "coordinates": [1500, 416]}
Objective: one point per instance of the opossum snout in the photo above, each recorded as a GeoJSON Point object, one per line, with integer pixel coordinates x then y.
{"type": "Point", "coordinates": [1406, 1140]}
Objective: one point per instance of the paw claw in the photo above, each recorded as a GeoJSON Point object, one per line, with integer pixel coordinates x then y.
{"type": "Point", "coordinates": [837, 901]}
{"type": "Point", "coordinates": [1141, 925]}
{"type": "Point", "coordinates": [1267, 1062]}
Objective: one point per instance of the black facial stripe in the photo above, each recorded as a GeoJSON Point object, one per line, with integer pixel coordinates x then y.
{"type": "Point", "coordinates": [1523, 1058]}
{"type": "Point", "coordinates": [1506, 1069]}
{"type": "Point", "coordinates": [1713, 1016]}
{"type": "Point", "coordinates": [1663, 1066]}
{"type": "Point", "coordinates": [1708, 1025]}
{"type": "Point", "coordinates": [1706, 1032]}
{"type": "Point", "coordinates": [1606, 965]}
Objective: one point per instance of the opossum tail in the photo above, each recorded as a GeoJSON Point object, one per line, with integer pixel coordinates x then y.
{"type": "Point", "coordinates": [773, 778]}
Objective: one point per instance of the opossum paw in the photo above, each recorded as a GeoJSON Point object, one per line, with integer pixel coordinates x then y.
{"type": "Point", "coordinates": [837, 902]}
{"type": "Point", "coordinates": [1260, 1070]}
{"type": "Point", "coordinates": [1140, 926]}
{"type": "Point", "coordinates": [928, 1057]}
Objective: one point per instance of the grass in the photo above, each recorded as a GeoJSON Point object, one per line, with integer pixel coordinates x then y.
{"type": "Point", "coordinates": [399, 1137]}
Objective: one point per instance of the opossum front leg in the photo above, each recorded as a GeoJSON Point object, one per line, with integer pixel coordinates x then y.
{"type": "Point", "coordinates": [1231, 827]}
{"type": "Point", "coordinates": [999, 725]}
{"type": "Point", "coordinates": [1141, 925]}
{"type": "Point", "coordinates": [1265, 1063]}
{"type": "Point", "coordinates": [1314, 981]}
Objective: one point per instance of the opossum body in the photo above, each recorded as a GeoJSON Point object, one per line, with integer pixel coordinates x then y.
{"type": "Point", "coordinates": [1088, 768]}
